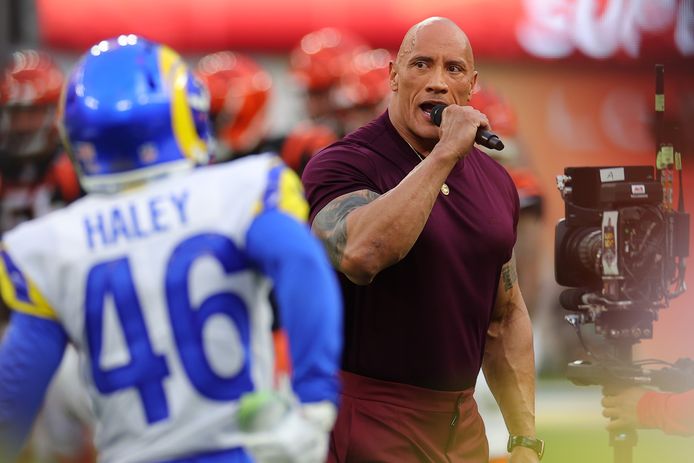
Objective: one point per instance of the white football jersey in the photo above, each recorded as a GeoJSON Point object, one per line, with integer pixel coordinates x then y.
{"type": "Point", "coordinates": [153, 288]}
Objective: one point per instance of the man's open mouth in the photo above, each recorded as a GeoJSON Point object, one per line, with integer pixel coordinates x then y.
{"type": "Point", "coordinates": [427, 106]}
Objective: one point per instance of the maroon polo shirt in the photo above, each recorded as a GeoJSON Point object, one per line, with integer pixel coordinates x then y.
{"type": "Point", "coordinates": [422, 321]}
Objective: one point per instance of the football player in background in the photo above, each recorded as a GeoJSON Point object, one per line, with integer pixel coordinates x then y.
{"type": "Point", "coordinates": [160, 278]}
{"type": "Point", "coordinates": [317, 63]}
{"type": "Point", "coordinates": [37, 177]}
{"type": "Point", "coordinates": [362, 92]}
{"type": "Point", "coordinates": [345, 85]}
{"type": "Point", "coordinates": [240, 91]}
{"type": "Point", "coordinates": [303, 142]}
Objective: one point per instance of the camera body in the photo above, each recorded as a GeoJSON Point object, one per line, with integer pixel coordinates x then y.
{"type": "Point", "coordinates": [618, 246]}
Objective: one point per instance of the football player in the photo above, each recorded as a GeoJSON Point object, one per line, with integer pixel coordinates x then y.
{"type": "Point", "coordinates": [35, 175]}
{"type": "Point", "coordinates": [160, 278]}
{"type": "Point", "coordinates": [240, 91]}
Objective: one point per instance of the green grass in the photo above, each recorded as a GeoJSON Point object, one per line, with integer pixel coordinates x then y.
{"type": "Point", "coordinates": [576, 444]}
{"type": "Point", "coordinates": [569, 420]}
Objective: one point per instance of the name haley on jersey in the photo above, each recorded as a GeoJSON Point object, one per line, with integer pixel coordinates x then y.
{"type": "Point", "coordinates": [127, 222]}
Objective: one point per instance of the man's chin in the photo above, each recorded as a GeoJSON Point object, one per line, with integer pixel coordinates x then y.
{"type": "Point", "coordinates": [428, 134]}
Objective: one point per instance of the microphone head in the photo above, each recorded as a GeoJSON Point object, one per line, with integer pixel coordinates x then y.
{"type": "Point", "coordinates": [495, 143]}
{"type": "Point", "coordinates": [436, 113]}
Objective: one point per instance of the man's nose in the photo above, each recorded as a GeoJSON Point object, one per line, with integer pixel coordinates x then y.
{"type": "Point", "coordinates": [437, 80]}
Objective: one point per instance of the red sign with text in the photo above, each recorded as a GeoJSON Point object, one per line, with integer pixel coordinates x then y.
{"type": "Point", "coordinates": [623, 30]}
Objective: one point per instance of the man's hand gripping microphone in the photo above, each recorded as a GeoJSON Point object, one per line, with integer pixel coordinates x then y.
{"type": "Point", "coordinates": [484, 137]}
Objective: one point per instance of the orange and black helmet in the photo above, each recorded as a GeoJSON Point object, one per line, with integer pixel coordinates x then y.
{"type": "Point", "coordinates": [240, 91]}
{"type": "Point", "coordinates": [321, 57]}
{"type": "Point", "coordinates": [30, 87]}
{"type": "Point", "coordinates": [365, 81]}
{"type": "Point", "coordinates": [304, 142]}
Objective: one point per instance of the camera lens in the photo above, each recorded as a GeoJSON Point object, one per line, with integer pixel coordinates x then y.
{"type": "Point", "coordinates": [583, 248]}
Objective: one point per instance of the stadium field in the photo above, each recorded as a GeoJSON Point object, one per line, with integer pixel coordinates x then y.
{"type": "Point", "coordinates": [569, 419]}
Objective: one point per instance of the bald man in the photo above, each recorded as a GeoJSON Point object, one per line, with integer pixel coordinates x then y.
{"type": "Point", "coordinates": [420, 225]}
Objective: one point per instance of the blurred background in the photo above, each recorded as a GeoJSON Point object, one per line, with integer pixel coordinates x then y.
{"type": "Point", "coordinates": [564, 83]}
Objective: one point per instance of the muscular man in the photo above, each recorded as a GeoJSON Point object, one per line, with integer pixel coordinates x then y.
{"type": "Point", "coordinates": [421, 226]}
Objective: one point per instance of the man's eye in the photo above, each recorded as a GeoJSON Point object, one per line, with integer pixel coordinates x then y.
{"type": "Point", "coordinates": [420, 64]}
{"type": "Point", "coordinates": [455, 68]}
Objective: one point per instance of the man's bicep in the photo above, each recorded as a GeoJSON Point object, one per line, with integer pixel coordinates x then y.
{"type": "Point", "coordinates": [330, 224]}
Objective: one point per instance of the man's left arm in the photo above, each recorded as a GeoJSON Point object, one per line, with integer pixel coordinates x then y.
{"type": "Point", "coordinates": [509, 363]}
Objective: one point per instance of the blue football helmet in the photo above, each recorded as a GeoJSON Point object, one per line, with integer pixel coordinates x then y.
{"type": "Point", "coordinates": [131, 112]}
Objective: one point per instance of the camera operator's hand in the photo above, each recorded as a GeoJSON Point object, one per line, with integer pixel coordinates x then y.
{"type": "Point", "coordinates": [622, 408]}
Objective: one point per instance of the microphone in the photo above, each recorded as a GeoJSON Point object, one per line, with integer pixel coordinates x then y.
{"type": "Point", "coordinates": [571, 299]}
{"type": "Point", "coordinates": [484, 137]}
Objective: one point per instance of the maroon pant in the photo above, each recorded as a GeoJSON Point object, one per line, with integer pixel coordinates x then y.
{"type": "Point", "coordinates": [382, 421]}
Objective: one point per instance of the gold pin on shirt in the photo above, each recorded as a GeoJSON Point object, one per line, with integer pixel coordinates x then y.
{"type": "Point", "coordinates": [444, 188]}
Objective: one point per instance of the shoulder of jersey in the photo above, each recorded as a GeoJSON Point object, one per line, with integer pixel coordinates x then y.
{"type": "Point", "coordinates": [257, 163]}
{"type": "Point", "coordinates": [247, 170]}
{"type": "Point", "coordinates": [45, 222]}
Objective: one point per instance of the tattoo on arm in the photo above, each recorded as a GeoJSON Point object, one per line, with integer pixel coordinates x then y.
{"type": "Point", "coordinates": [502, 306]}
{"type": "Point", "coordinates": [330, 224]}
{"type": "Point", "coordinates": [508, 274]}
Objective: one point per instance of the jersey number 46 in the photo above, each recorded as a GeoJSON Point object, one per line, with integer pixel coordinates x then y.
{"type": "Point", "coordinates": [146, 369]}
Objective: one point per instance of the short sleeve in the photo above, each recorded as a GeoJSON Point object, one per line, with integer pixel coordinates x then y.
{"type": "Point", "coordinates": [19, 292]}
{"type": "Point", "coordinates": [337, 170]}
{"type": "Point", "coordinates": [284, 193]}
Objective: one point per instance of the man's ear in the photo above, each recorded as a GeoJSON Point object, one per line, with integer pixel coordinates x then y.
{"type": "Point", "coordinates": [393, 76]}
{"type": "Point", "coordinates": [473, 83]}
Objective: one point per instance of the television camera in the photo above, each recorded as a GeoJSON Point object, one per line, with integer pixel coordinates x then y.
{"type": "Point", "coordinates": [621, 250]}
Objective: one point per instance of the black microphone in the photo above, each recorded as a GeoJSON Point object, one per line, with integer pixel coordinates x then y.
{"type": "Point", "coordinates": [571, 299]}
{"type": "Point", "coordinates": [484, 137]}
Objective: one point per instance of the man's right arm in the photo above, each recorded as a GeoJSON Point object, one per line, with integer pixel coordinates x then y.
{"type": "Point", "coordinates": [364, 232]}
